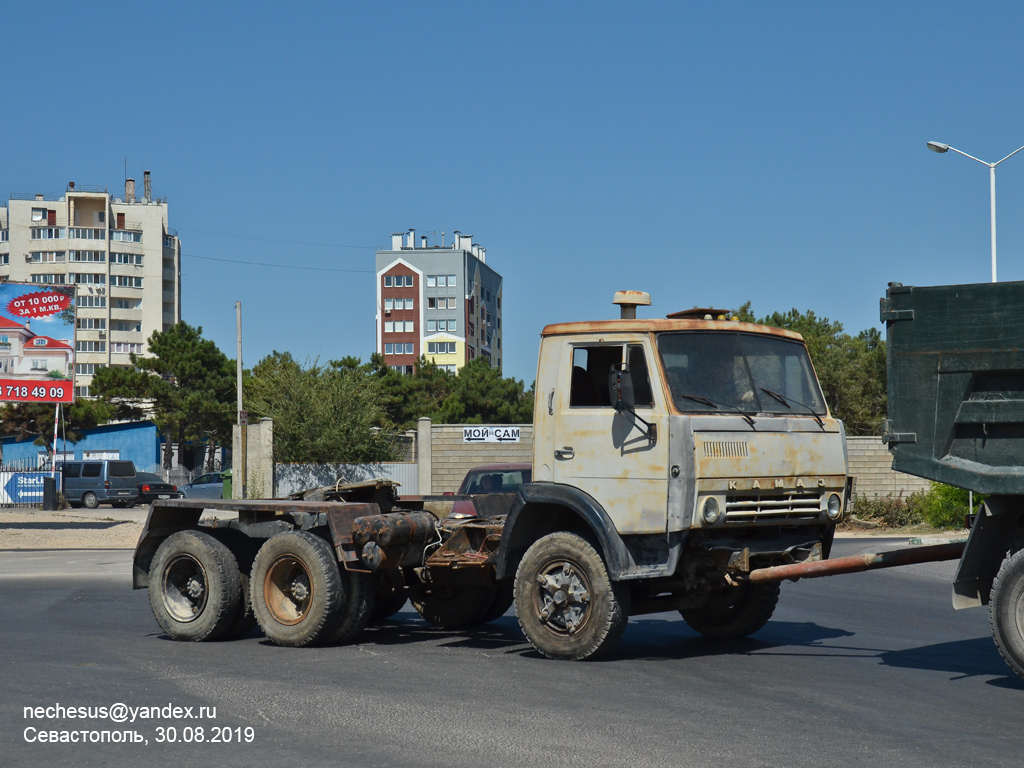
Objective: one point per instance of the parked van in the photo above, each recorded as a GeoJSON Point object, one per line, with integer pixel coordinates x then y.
{"type": "Point", "coordinates": [105, 481]}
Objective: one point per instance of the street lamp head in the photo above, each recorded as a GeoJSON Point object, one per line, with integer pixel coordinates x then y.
{"type": "Point", "coordinates": [935, 146]}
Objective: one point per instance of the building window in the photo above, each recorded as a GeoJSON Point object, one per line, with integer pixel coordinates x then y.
{"type": "Point", "coordinates": [126, 258]}
{"type": "Point", "coordinates": [441, 347]}
{"type": "Point", "coordinates": [46, 257]}
{"type": "Point", "coordinates": [48, 279]}
{"type": "Point", "coordinates": [125, 281]}
{"type": "Point", "coordinates": [87, 256]}
{"type": "Point", "coordinates": [168, 241]}
{"type": "Point", "coordinates": [126, 303]}
{"type": "Point", "coordinates": [123, 236]}
{"type": "Point", "coordinates": [91, 301]}
{"type": "Point", "coordinates": [499, 302]}
{"type": "Point", "coordinates": [389, 326]}
{"type": "Point", "coordinates": [5, 258]}
{"type": "Point", "coordinates": [389, 349]}
{"type": "Point", "coordinates": [130, 326]}
{"type": "Point", "coordinates": [90, 346]}
{"type": "Point", "coordinates": [48, 233]}
{"type": "Point", "coordinates": [39, 365]}
{"type": "Point", "coordinates": [81, 391]}
{"type": "Point", "coordinates": [91, 323]}
{"type": "Point", "coordinates": [389, 281]}
{"type": "Point", "coordinates": [409, 349]}
{"type": "Point", "coordinates": [101, 217]}
{"type": "Point", "coordinates": [452, 325]}
{"type": "Point", "coordinates": [123, 348]}
{"type": "Point", "coordinates": [87, 278]}
{"type": "Point", "coordinates": [87, 369]}
{"type": "Point", "coordinates": [83, 233]}
{"type": "Point", "coordinates": [431, 326]}
{"type": "Point", "coordinates": [38, 214]}
{"type": "Point", "coordinates": [5, 235]}
{"type": "Point", "coordinates": [389, 304]}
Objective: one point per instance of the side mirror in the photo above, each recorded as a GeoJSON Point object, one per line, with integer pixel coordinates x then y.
{"type": "Point", "coordinates": [620, 385]}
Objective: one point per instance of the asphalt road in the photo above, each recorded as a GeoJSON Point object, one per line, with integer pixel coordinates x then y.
{"type": "Point", "coordinates": [868, 669]}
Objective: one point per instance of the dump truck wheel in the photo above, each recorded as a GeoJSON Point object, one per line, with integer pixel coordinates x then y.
{"type": "Point", "coordinates": [194, 586]}
{"type": "Point", "coordinates": [734, 611]}
{"type": "Point", "coordinates": [1007, 611]}
{"type": "Point", "coordinates": [567, 605]}
{"type": "Point", "coordinates": [297, 593]}
{"type": "Point", "coordinates": [453, 607]}
{"type": "Point", "coordinates": [360, 599]}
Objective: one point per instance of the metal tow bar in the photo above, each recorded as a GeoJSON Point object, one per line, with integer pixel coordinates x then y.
{"type": "Point", "coordinates": [890, 559]}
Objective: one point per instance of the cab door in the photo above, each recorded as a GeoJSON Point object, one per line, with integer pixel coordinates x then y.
{"type": "Point", "coordinates": [608, 453]}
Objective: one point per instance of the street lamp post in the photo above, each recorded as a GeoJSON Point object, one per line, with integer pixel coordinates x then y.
{"type": "Point", "coordinates": [936, 146]}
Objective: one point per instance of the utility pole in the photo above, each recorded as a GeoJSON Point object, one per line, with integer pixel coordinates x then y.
{"type": "Point", "coordinates": [242, 415]}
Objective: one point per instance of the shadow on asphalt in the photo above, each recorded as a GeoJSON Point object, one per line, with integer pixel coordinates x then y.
{"type": "Point", "coordinates": [78, 525]}
{"type": "Point", "coordinates": [962, 658]}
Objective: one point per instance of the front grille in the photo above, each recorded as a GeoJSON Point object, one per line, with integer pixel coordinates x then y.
{"type": "Point", "coordinates": [793, 505]}
{"type": "Point", "coordinates": [725, 449]}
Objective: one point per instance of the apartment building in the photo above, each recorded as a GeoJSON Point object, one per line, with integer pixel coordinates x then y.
{"type": "Point", "coordinates": [119, 253]}
{"type": "Point", "coordinates": [440, 301]}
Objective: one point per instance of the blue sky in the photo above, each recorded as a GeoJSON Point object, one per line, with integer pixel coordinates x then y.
{"type": "Point", "coordinates": [710, 153]}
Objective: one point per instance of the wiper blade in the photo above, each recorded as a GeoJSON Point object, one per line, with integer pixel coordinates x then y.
{"type": "Point", "coordinates": [718, 406]}
{"type": "Point", "coordinates": [787, 400]}
{"type": "Point", "coordinates": [701, 400]}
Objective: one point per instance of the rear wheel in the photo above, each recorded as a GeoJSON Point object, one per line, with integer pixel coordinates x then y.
{"type": "Point", "coordinates": [194, 586]}
{"type": "Point", "coordinates": [567, 605]}
{"type": "Point", "coordinates": [297, 594]}
{"type": "Point", "coordinates": [734, 611]}
{"type": "Point", "coordinates": [1007, 611]}
{"type": "Point", "coordinates": [360, 594]}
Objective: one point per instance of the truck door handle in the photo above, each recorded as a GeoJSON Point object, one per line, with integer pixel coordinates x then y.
{"type": "Point", "coordinates": [565, 453]}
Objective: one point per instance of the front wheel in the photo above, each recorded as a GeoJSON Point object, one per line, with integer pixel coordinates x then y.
{"type": "Point", "coordinates": [567, 605]}
{"type": "Point", "coordinates": [1007, 611]}
{"type": "Point", "coordinates": [194, 586]}
{"type": "Point", "coordinates": [734, 611]}
{"type": "Point", "coordinates": [90, 501]}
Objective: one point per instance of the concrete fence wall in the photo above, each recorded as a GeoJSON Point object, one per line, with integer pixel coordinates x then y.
{"type": "Point", "coordinates": [292, 478]}
{"type": "Point", "coordinates": [871, 467]}
{"type": "Point", "coordinates": [445, 457]}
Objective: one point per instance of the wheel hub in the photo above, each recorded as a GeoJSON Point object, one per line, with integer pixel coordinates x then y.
{"type": "Point", "coordinates": [183, 590]}
{"type": "Point", "coordinates": [288, 590]}
{"type": "Point", "coordinates": [564, 597]}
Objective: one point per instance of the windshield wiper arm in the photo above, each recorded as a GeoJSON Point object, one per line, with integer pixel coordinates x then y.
{"type": "Point", "coordinates": [701, 400]}
{"type": "Point", "coordinates": [787, 400]}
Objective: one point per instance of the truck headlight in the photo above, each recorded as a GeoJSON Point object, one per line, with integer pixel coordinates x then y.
{"type": "Point", "coordinates": [711, 511]}
{"type": "Point", "coordinates": [834, 508]}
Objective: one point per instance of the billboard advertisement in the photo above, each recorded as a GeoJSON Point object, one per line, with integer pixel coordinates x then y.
{"type": "Point", "coordinates": [37, 343]}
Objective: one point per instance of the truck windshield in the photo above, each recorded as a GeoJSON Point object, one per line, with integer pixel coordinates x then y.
{"type": "Point", "coordinates": [709, 371]}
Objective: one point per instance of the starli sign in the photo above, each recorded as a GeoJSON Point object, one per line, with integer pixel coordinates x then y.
{"type": "Point", "coordinates": [37, 343]}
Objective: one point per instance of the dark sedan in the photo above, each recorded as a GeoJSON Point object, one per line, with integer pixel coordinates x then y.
{"type": "Point", "coordinates": [151, 487]}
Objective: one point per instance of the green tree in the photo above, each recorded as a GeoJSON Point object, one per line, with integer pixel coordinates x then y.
{"type": "Point", "coordinates": [481, 395]}
{"type": "Point", "coordinates": [34, 421]}
{"type": "Point", "coordinates": [851, 369]}
{"type": "Point", "coordinates": [187, 385]}
{"type": "Point", "coordinates": [322, 413]}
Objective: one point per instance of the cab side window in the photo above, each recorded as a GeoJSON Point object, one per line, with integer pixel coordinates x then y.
{"type": "Point", "coordinates": [588, 387]}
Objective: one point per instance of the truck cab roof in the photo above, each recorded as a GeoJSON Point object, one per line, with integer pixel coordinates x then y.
{"type": "Point", "coordinates": [658, 325]}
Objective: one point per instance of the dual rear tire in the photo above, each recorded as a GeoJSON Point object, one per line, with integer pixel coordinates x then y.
{"type": "Point", "coordinates": [295, 591]}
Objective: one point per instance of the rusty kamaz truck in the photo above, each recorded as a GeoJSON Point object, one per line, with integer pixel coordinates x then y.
{"type": "Point", "coordinates": [673, 459]}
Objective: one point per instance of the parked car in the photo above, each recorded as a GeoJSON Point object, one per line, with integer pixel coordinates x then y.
{"type": "Point", "coordinates": [90, 483]}
{"type": "Point", "coordinates": [208, 486]}
{"type": "Point", "coordinates": [498, 480]}
{"type": "Point", "coordinates": [152, 487]}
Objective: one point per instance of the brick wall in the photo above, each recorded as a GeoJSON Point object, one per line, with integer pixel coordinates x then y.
{"type": "Point", "coordinates": [450, 458]}
{"type": "Point", "coordinates": [871, 466]}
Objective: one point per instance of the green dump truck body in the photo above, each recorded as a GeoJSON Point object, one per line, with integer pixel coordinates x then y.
{"type": "Point", "coordinates": [956, 384]}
